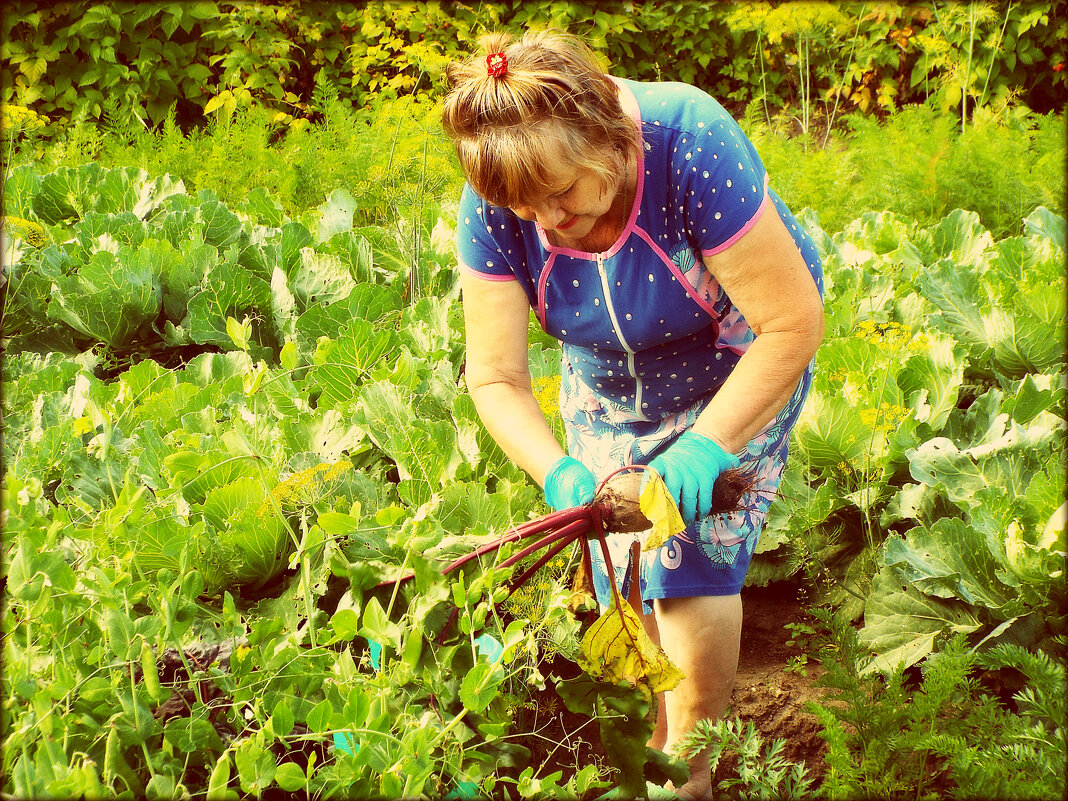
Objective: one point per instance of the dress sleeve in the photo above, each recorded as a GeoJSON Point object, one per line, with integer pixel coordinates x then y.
{"type": "Point", "coordinates": [722, 182]}
{"type": "Point", "coordinates": [481, 249]}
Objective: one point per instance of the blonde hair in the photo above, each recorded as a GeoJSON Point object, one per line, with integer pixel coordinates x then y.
{"type": "Point", "coordinates": [509, 131]}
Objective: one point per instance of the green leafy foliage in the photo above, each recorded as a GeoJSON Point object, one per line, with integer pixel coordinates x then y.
{"type": "Point", "coordinates": [945, 731]}
{"type": "Point", "coordinates": [142, 268]}
{"type": "Point", "coordinates": [762, 772]}
{"type": "Point", "coordinates": [926, 456]}
{"type": "Point", "coordinates": [255, 496]}
{"type": "Point", "coordinates": [208, 57]}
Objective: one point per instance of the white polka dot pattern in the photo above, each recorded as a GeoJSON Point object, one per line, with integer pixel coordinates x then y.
{"type": "Point", "coordinates": [644, 322]}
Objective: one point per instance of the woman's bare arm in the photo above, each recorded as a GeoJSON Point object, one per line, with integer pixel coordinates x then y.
{"type": "Point", "coordinates": [496, 315]}
{"type": "Point", "coordinates": [765, 276]}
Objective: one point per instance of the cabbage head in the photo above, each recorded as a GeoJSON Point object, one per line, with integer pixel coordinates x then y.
{"type": "Point", "coordinates": [245, 543]}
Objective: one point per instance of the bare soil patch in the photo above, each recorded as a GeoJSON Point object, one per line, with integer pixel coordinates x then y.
{"type": "Point", "coordinates": [766, 691]}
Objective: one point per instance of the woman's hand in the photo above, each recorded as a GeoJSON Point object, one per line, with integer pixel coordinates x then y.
{"type": "Point", "coordinates": [569, 483]}
{"type": "Point", "coordinates": [690, 467]}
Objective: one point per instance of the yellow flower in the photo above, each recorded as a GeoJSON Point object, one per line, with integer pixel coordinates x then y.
{"type": "Point", "coordinates": [547, 393]}
{"type": "Point", "coordinates": [28, 231]}
{"type": "Point", "coordinates": [889, 335]}
{"type": "Point", "coordinates": [20, 118]}
{"type": "Point", "coordinates": [887, 417]}
{"type": "Point", "coordinates": [307, 487]}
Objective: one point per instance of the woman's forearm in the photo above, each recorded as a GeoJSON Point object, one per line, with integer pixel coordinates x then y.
{"type": "Point", "coordinates": [513, 418]}
{"type": "Point", "coordinates": [758, 388]}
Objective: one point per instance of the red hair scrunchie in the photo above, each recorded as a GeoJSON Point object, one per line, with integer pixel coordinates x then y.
{"type": "Point", "coordinates": [496, 64]}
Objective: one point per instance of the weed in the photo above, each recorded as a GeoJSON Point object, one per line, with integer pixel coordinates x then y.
{"type": "Point", "coordinates": [761, 770]}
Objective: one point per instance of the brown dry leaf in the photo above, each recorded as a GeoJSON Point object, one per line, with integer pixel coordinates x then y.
{"type": "Point", "coordinates": [616, 649]}
{"type": "Point", "coordinates": [582, 596]}
{"type": "Point", "coordinates": [657, 504]}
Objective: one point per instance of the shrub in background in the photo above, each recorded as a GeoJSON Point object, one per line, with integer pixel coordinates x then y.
{"type": "Point", "coordinates": [810, 58]}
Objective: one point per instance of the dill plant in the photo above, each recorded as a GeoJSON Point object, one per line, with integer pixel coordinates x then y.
{"type": "Point", "coordinates": [940, 733]}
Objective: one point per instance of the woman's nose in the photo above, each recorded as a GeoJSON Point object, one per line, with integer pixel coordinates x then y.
{"type": "Point", "coordinates": [549, 215]}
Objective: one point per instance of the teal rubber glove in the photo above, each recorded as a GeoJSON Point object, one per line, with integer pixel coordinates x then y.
{"type": "Point", "coordinates": [690, 467]}
{"type": "Point", "coordinates": [569, 483]}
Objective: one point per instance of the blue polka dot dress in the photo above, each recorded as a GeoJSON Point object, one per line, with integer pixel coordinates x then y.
{"type": "Point", "coordinates": [647, 334]}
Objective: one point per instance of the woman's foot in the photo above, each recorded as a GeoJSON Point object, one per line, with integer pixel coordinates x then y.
{"type": "Point", "coordinates": [692, 791]}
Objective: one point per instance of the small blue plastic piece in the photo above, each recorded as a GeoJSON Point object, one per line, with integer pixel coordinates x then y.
{"type": "Point", "coordinates": [345, 741]}
{"type": "Point", "coordinates": [464, 791]}
{"type": "Point", "coordinates": [375, 649]}
{"type": "Point", "coordinates": [488, 647]}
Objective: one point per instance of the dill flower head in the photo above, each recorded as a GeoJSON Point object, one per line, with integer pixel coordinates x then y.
{"type": "Point", "coordinates": [887, 336]}
{"type": "Point", "coordinates": [28, 231]}
{"type": "Point", "coordinates": [885, 418]}
{"type": "Point", "coordinates": [308, 487]}
{"type": "Point", "coordinates": [547, 394]}
{"type": "Point", "coordinates": [20, 118]}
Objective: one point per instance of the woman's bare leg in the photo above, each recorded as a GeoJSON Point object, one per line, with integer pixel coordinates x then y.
{"type": "Point", "coordinates": [659, 738]}
{"type": "Point", "coordinates": [701, 636]}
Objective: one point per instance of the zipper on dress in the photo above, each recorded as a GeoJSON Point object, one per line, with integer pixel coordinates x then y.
{"type": "Point", "coordinates": [619, 333]}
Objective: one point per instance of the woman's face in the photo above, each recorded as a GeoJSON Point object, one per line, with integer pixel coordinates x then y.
{"type": "Point", "coordinates": [571, 203]}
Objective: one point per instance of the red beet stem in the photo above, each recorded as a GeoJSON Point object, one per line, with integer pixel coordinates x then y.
{"type": "Point", "coordinates": [569, 532]}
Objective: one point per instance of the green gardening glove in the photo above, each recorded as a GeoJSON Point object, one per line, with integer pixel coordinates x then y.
{"type": "Point", "coordinates": [690, 467]}
{"type": "Point", "coordinates": [569, 483]}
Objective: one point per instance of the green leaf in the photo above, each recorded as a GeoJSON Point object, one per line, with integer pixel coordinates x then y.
{"type": "Point", "coordinates": [368, 302]}
{"type": "Point", "coordinates": [319, 717]}
{"type": "Point", "coordinates": [262, 207]}
{"type": "Point", "coordinates": [345, 361]}
{"type": "Point", "coordinates": [480, 686]}
{"type": "Point", "coordinates": [1042, 222]}
{"type": "Point", "coordinates": [282, 719]}
{"type": "Point", "coordinates": [256, 766]}
{"type": "Point", "coordinates": [1034, 341]}
{"type": "Point", "coordinates": [959, 298]}
{"type": "Point", "coordinates": [219, 779]}
{"type": "Point", "coordinates": [376, 626]}
{"type": "Point", "coordinates": [959, 236]}
{"type": "Point", "coordinates": [336, 214]}
{"type": "Point", "coordinates": [20, 188]}
{"type": "Point", "coordinates": [930, 382]}
{"type": "Point", "coordinates": [426, 451]}
{"type": "Point", "coordinates": [319, 279]}
{"type": "Point", "coordinates": [222, 227]}
{"type": "Point", "coordinates": [902, 625]}
{"type": "Point", "coordinates": [290, 777]}
{"type": "Point", "coordinates": [229, 290]}
{"type": "Point", "coordinates": [830, 432]}
{"type": "Point", "coordinates": [67, 193]}
{"type": "Point", "coordinates": [951, 560]}
{"type": "Point", "coordinates": [109, 299]}
{"type": "Point", "coordinates": [240, 333]}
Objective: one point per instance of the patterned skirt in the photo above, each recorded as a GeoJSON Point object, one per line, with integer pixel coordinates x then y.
{"type": "Point", "coordinates": [712, 556]}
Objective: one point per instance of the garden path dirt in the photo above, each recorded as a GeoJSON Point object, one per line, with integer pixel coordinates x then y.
{"type": "Point", "coordinates": [766, 690]}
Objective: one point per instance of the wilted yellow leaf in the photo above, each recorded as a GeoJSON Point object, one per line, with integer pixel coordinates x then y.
{"type": "Point", "coordinates": [616, 649]}
{"type": "Point", "coordinates": [657, 504]}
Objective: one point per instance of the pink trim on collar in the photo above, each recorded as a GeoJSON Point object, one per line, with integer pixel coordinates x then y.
{"type": "Point", "coordinates": [635, 114]}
